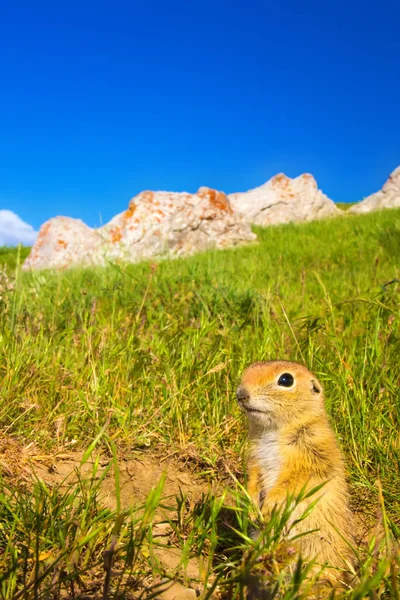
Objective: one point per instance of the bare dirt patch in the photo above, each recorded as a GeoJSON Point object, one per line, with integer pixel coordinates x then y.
{"type": "Point", "coordinates": [137, 476]}
{"type": "Point", "coordinates": [20, 465]}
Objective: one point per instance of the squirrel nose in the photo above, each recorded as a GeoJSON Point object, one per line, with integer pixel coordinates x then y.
{"type": "Point", "coordinates": [242, 394]}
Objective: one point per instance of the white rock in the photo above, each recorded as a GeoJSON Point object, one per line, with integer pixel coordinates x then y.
{"type": "Point", "coordinates": [156, 224]}
{"type": "Point", "coordinates": [387, 197]}
{"type": "Point", "coordinates": [63, 242]}
{"type": "Point", "coordinates": [282, 200]}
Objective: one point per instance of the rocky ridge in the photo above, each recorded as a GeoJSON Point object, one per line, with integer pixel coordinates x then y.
{"type": "Point", "coordinates": [155, 225]}
{"type": "Point", "coordinates": [168, 224]}
{"type": "Point", "coordinates": [387, 197]}
{"type": "Point", "coordinates": [283, 200]}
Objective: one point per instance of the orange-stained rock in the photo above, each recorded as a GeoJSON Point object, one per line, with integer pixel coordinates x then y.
{"type": "Point", "coordinates": [156, 224]}
{"type": "Point", "coordinates": [387, 197]}
{"type": "Point", "coordinates": [215, 198]}
{"type": "Point", "coordinates": [282, 200]}
{"type": "Point", "coordinates": [63, 241]}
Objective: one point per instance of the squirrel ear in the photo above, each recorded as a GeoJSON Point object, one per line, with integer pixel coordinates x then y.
{"type": "Point", "coordinates": [315, 387]}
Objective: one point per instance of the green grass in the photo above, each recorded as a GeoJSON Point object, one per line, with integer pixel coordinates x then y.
{"type": "Point", "coordinates": [345, 205]}
{"type": "Point", "coordinates": [147, 357]}
{"type": "Point", "coordinates": [11, 257]}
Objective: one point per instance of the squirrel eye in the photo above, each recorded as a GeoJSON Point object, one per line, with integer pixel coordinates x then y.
{"type": "Point", "coordinates": [286, 380]}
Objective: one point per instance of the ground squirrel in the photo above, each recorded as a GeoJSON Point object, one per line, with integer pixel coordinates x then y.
{"type": "Point", "coordinates": [292, 445]}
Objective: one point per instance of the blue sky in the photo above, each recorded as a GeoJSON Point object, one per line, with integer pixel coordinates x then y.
{"type": "Point", "coordinates": [101, 100]}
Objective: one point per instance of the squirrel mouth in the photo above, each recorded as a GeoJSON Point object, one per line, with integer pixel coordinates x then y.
{"type": "Point", "coordinates": [252, 410]}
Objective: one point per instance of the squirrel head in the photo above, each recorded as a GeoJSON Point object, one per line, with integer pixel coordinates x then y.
{"type": "Point", "coordinates": [277, 392]}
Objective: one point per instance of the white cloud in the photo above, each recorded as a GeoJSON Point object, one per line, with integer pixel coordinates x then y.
{"type": "Point", "coordinates": [14, 230]}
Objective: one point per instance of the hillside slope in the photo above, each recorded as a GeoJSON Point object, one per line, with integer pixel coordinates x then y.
{"type": "Point", "coordinates": [148, 357]}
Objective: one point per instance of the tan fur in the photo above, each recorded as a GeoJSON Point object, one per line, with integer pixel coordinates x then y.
{"type": "Point", "coordinates": [291, 444]}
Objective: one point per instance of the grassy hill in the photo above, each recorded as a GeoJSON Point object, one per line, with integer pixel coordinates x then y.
{"type": "Point", "coordinates": [103, 370]}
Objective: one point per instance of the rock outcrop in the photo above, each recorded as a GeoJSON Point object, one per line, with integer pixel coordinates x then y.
{"type": "Point", "coordinates": [62, 242]}
{"type": "Point", "coordinates": [387, 197]}
{"type": "Point", "coordinates": [155, 225]}
{"type": "Point", "coordinates": [282, 200]}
